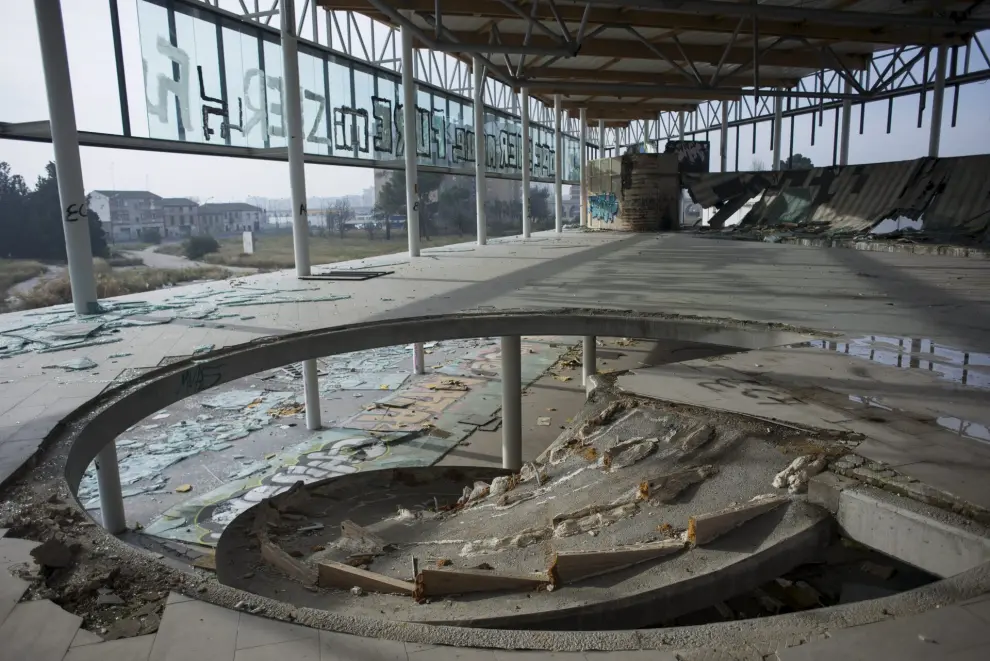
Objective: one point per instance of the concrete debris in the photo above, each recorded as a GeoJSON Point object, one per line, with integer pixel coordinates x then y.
{"type": "Point", "coordinates": [183, 488]}
{"type": "Point", "coordinates": [74, 365]}
{"type": "Point", "coordinates": [526, 538]}
{"type": "Point", "coordinates": [666, 488]}
{"type": "Point", "coordinates": [52, 554]}
{"type": "Point", "coordinates": [795, 477]}
{"type": "Point", "coordinates": [543, 422]}
{"type": "Point", "coordinates": [471, 494]}
{"type": "Point", "coordinates": [501, 485]}
{"type": "Point", "coordinates": [357, 592]}
{"type": "Point", "coordinates": [627, 453]}
{"type": "Point", "coordinates": [531, 472]}
{"type": "Point", "coordinates": [602, 418]}
{"type": "Point", "coordinates": [695, 439]}
{"type": "Point", "coordinates": [599, 520]}
{"type": "Point", "coordinates": [109, 599]}
{"type": "Point", "coordinates": [356, 537]}
{"type": "Point", "coordinates": [203, 348]}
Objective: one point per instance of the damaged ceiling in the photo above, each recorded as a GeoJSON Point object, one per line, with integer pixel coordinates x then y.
{"type": "Point", "coordinates": [951, 196]}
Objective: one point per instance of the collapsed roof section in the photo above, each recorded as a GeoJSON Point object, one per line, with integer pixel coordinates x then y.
{"type": "Point", "coordinates": [949, 195]}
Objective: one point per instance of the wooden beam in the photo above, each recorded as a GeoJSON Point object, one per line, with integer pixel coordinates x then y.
{"type": "Point", "coordinates": [439, 582]}
{"type": "Point", "coordinates": [708, 527]}
{"type": "Point", "coordinates": [285, 563]}
{"type": "Point", "coordinates": [570, 566]}
{"type": "Point", "coordinates": [888, 33]}
{"type": "Point", "coordinates": [645, 78]}
{"type": "Point", "coordinates": [634, 49]}
{"type": "Point", "coordinates": [345, 577]}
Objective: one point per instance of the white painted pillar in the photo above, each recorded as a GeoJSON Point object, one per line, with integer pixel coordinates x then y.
{"type": "Point", "coordinates": [583, 170]}
{"type": "Point", "coordinates": [419, 358]}
{"type": "Point", "coordinates": [292, 111]}
{"type": "Point", "coordinates": [527, 159]}
{"type": "Point", "coordinates": [601, 138]}
{"type": "Point", "coordinates": [65, 141]}
{"type": "Point", "coordinates": [111, 498]}
{"type": "Point", "coordinates": [846, 121]}
{"type": "Point", "coordinates": [558, 165]}
{"type": "Point", "coordinates": [588, 359]}
{"type": "Point", "coordinates": [778, 109]}
{"type": "Point", "coordinates": [479, 147]}
{"type": "Point", "coordinates": [937, 102]}
{"type": "Point", "coordinates": [409, 141]}
{"type": "Point", "coordinates": [724, 138]}
{"type": "Point", "coordinates": [511, 403]}
{"type": "Point", "coordinates": [680, 124]}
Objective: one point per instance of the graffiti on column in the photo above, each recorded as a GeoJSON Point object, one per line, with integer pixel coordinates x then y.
{"type": "Point", "coordinates": [692, 155]}
{"type": "Point", "coordinates": [603, 207]}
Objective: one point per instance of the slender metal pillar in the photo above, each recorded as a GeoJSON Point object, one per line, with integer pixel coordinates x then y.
{"type": "Point", "coordinates": [558, 166]}
{"type": "Point", "coordinates": [65, 141]}
{"type": "Point", "coordinates": [724, 138]}
{"type": "Point", "coordinates": [778, 109]}
{"type": "Point", "coordinates": [409, 141]}
{"type": "Point", "coordinates": [601, 138]}
{"type": "Point", "coordinates": [680, 124]}
{"type": "Point", "coordinates": [583, 166]}
{"type": "Point", "coordinates": [511, 403]}
{"type": "Point", "coordinates": [111, 499]}
{"type": "Point", "coordinates": [846, 121]}
{"type": "Point", "coordinates": [588, 360]}
{"type": "Point", "coordinates": [527, 159]}
{"type": "Point", "coordinates": [479, 147]}
{"type": "Point", "coordinates": [937, 101]}
{"type": "Point", "coordinates": [292, 112]}
{"type": "Point", "coordinates": [419, 358]}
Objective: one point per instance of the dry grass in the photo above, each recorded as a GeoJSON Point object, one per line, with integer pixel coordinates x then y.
{"type": "Point", "coordinates": [178, 249]}
{"type": "Point", "coordinates": [275, 251]}
{"type": "Point", "coordinates": [13, 271]}
{"type": "Point", "coordinates": [111, 283]}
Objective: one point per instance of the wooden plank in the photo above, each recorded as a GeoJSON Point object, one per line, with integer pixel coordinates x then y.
{"type": "Point", "coordinates": [337, 575]}
{"type": "Point", "coordinates": [707, 527]}
{"type": "Point", "coordinates": [570, 566]}
{"type": "Point", "coordinates": [284, 562]}
{"type": "Point", "coordinates": [439, 582]}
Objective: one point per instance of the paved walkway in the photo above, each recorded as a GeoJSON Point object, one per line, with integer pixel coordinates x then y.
{"type": "Point", "coordinates": [859, 294]}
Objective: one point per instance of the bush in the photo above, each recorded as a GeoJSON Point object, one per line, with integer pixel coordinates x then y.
{"type": "Point", "coordinates": [197, 246]}
{"type": "Point", "coordinates": [151, 235]}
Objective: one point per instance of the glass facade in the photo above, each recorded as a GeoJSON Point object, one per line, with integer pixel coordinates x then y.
{"type": "Point", "coordinates": [216, 80]}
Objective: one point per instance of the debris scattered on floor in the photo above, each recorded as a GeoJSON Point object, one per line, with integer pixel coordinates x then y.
{"type": "Point", "coordinates": [795, 477]}
{"type": "Point", "coordinates": [183, 488]}
{"type": "Point", "coordinates": [543, 422]}
{"type": "Point", "coordinates": [74, 364]}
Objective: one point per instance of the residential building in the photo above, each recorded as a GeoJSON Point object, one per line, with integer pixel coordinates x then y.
{"type": "Point", "coordinates": [126, 214]}
{"type": "Point", "coordinates": [216, 218]}
{"type": "Point", "coordinates": [180, 215]}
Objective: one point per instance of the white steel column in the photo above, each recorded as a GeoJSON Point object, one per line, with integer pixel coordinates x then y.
{"type": "Point", "coordinates": [588, 359]}
{"type": "Point", "coordinates": [680, 124]}
{"type": "Point", "coordinates": [558, 166]}
{"type": "Point", "coordinates": [601, 138]}
{"type": "Point", "coordinates": [527, 159]}
{"type": "Point", "coordinates": [479, 147]}
{"type": "Point", "coordinates": [778, 108]}
{"type": "Point", "coordinates": [937, 101]}
{"type": "Point", "coordinates": [409, 141]}
{"type": "Point", "coordinates": [846, 120]}
{"type": "Point", "coordinates": [583, 166]}
{"type": "Point", "coordinates": [419, 358]}
{"type": "Point", "coordinates": [724, 137]}
{"type": "Point", "coordinates": [511, 403]}
{"type": "Point", "coordinates": [111, 498]}
{"type": "Point", "coordinates": [65, 141]}
{"type": "Point", "coordinates": [292, 111]}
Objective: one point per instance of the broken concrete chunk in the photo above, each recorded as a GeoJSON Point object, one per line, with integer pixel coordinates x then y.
{"type": "Point", "coordinates": [360, 537]}
{"type": "Point", "coordinates": [695, 439]}
{"type": "Point", "coordinates": [627, 453]}
{"type": "Point", "coordinates": [338, 575]}
{"type": "Point", "coordinates": [780, 480]}
{"type": "Point", "coordinates": [571, 566]}
{"type": "Point", "coordinates": [571, 527]}
{"type": "Point", "coordinates": [521, 540]}
{"type": "Point", "coordinates": [501, 485]}
{"type": "Point", "coordinates": [708, 527]}
{"type": "Point", "coordinates": [600, 419]}
{"type": "Point", "coordinates": [667, 487]}
{"type": "Point", "coordinates": [479, 491]}
{"type": "Point", "coordinates": [798, 482]}
{"type": "Point", "coordinates": [53, 554]}
{"type": "Point", "coordinates": [440, 582]}
{"type": "Point", "coordinates": [74, 364]}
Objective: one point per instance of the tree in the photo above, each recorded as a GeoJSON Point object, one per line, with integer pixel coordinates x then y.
{"type": "Point", "coordinates": [342, 212]}
{"type": "Point", "coordinates": [31, 220]}
{"type": "Point", "coordinates": [758, 165]}
{"type": "Point", "coordinates": [457, 204]}
{"type": "Point", "coordinates": [197, 246]}
{"type": "Point", "coordinates": [540, 208]}
{"type": "Point", "coordinates": [796, 162]}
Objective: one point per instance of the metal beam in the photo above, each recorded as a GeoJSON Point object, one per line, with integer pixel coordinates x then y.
{"type": "Point", "coordinates": [666, 91]}
{"type": "Point", "coordinates": [612, 76]}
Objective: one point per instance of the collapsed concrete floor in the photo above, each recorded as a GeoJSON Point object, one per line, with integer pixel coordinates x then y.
{"type": "Point", "coordinates": [629, 482]}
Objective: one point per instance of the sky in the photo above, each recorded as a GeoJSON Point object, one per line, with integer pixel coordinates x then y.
{"type": "Point", "coordinates": [90, 47]}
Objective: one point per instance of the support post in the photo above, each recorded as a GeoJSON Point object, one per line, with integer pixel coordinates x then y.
{"type": "Point", "coordinates": [527, 159]}
{"type": "Point", "coordinates": [846, 122]}
{"type": "Point", "coordinates": [558, 166]}
{"type": "Point", "coordinates": [588, 359]}
{"type": "Point", "coordinates": [409, 141]}
{"type": "Point", "coordinates": [65, 141]}
{"type": "Point", "coordinates": [292, 112]}
{"type": "Point", "coordinates": [680, 124]}
{"type": "Point", "coordinates": [419, 358]}
{"type": "Point", "coordinates": [601, 138]}
{"type": "Point", "coordinates": [479, 147]}
{"type": "Point", "coordinates": [511, 403]}
{"type": "Point", "coordinates": [111, 498]}
{"type": "Point", "coordinates": [724, 138]}
{"type": "Point", "coordinates": [778, 109]}
{"type": "Point", "coordinates": [583, 166]}
{"type": "Point", "coordinates": [937, 102]}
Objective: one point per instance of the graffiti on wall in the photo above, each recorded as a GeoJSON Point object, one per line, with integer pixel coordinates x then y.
{"type": "Point", "coordinates": [603, 207]}
{"type": "Point", "coordinates": [692, 155]}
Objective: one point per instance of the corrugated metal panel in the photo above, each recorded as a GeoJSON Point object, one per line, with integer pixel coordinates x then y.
{"type": "Point", "coordinates": [950, 195]}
